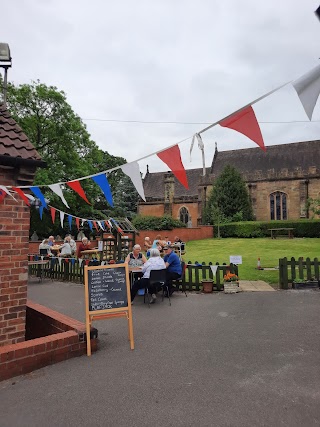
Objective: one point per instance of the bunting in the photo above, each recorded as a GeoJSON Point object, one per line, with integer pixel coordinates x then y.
{"type": "Point", "coordinates": [172, 158]}
{"type": "Point", "coordinates": [53, 214]}
{"type": "Point", "coordinates": [3, 188]}
{"type": "Point", "coordinates": [76, 186]}
{"type": "Point", "coordinates": [90, 224]}
{"type": "Point", "coordinates": [37, 192]}
{"type": "Point", "coordinates": [70, 221]}
{"type": "Point", "coordinates": [78, 223]}
{"type": "Point", "coordinates": [245, 122]}
{"type": "Point", "coordinates": [21, 194]}
{"type": "Point", "coordinates": [41, 211]}
{"type": "Point", "coordinates": [61, 218]}
{"type": "Point", "coordinates": [308, 90]}
{"type": "Point", "coordinates": [103, 183]}
{"type": "Point", "coordinates": [133, 172]}
{"type": "Point", "coordinates": [57, 190]}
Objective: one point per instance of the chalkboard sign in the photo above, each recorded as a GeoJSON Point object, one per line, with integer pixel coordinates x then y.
{"type": "Point", "coordinates": [107, 288]}
{"type": "Point", "coordinates": [107, 294]}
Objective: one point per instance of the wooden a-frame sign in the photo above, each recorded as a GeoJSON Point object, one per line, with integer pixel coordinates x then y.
{"type": "Point", "coordinates": [107, 295]}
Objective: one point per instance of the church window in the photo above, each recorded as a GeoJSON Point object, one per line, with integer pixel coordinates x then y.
{"type": "Point", "coordinates": [278, 205]}
{"type": "Point", "coordinates": [184, 215]}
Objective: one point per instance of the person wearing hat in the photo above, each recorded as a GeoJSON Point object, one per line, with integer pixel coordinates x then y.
{"type": "Point", "coordinates": [173, 265]}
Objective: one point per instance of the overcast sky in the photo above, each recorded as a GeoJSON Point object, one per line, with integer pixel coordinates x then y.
{"type": "Point", "coordinates": [168, 61]}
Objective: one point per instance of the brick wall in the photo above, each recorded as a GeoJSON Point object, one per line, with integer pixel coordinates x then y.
{"type": "Point", "coordinates": [14, 241]}
{"type": "Point", "coordinates": [185, 234]}
{"type": "Point", "coordinates": [43, 348]}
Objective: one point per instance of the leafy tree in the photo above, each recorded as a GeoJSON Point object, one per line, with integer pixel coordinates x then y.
{"type": "Point", "coordinates": [229, 199]}
{"type": "Point", "coordinates": [62, 140]}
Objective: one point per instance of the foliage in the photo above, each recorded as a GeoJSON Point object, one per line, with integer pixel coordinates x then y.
{"type": "Point", "coordinates": [156, 223]}
{"type": "Point", "coordinates": [302, 228]}
{"type": "Point", "coordinates": [313, 205]}
{"type": "Point", "coordinates": [62, 140]}
{"type": "Point", "coordinates": [268, 250]}
{"type": "Point", "coordinates": [229, 199]}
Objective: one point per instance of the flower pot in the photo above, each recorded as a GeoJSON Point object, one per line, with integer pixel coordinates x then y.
{"type": "Point", "coordinates": [231, 287]}
{"type": "Point", "coordinates": [207, 285]}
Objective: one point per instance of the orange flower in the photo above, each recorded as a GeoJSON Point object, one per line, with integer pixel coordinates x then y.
{"type": "Point", "coordinates": [230, 277]}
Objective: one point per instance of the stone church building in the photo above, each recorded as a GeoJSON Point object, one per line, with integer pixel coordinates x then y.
{"type": "Point", "coordinates": [279, 182]}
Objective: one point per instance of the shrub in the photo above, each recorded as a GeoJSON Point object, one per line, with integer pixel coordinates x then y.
{"type": "Point", "coordinates": [165, 222]}
{"type": "Point", "coordinates": [302, 228]}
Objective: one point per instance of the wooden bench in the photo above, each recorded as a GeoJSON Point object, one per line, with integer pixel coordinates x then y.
{"type": "Point", "coordinates": [284, 231]}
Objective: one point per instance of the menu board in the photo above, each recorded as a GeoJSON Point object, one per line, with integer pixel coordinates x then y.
{"type": "Point", "coordinates": [107, 288]}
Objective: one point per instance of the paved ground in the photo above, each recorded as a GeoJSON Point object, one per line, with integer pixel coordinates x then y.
{"type": "Point", "coordinates": [246, 359]}
{"type": "Point", "coordinates": [255, 286]}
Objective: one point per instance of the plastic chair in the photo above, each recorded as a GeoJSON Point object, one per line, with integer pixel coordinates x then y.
{"type": "Point", "coordinates": [180, 281]}
{"type": "Point", "coordinates": [159, 277]}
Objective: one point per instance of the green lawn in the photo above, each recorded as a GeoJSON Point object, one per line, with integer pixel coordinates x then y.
{"type": "Point", "coordinates": [269, 251]}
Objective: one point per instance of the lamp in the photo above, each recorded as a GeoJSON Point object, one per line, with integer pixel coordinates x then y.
{"type": "Point", "coordinates": [5, 62]}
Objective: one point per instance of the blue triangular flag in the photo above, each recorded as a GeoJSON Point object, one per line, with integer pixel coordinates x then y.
{"type": "Point", "coordinates": [70, 221]}
{"type": "Point", "coordinates": [103, 183]}
{"type": "Point", "coordinates": [90, 224]}
{"type": "Point", "coordinates": [37, 192]}
{"type": "Point", "coordinates": [40, 211]}
{"type": "Point", "coordinates": [73, 260]}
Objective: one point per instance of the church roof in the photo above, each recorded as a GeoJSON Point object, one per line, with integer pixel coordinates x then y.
{"type": "Point", "coordinates": [13, 141]}
{"type": "Point", "coordinates": [278, 159]}
{"type": "Point", "coordinates": [154, 184]}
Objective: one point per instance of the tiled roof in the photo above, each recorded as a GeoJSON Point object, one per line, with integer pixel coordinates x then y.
{"type": "Point", "coordinates": [13, 141]}
{"type": "Point", "coordinates": [299, 155]}
{"type": "Point", "coordinates": [154, 184]}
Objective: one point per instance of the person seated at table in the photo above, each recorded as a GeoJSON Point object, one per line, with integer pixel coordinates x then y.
{"type": "Point", "coordinates": [158, 243]}
{"type": "Point", "coordinates": [155, 262]}
{"type": "Point", "coordinates": [173, 266]}
{"type": "Point", "coordinates": [51, 241]}
{"type": "Point", "coordinates": [72, 244]}
{"type": "Point", "coordinates": [84, 246]}
{"type": "Point", "coordinates": [135, 258]}
{"type": "Point", "coordinates": [147, 246]}
{"type": "Point", "coordinates": [45, 245]}
{"type": "Point", "coordinates": [177, 241]}
{"type": "Point", "coordinates": [65, 249]}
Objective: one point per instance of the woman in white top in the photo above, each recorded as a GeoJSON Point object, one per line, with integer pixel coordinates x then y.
{"type": "Point", "coordinates": [65, 249]}
{"type": "Point", "coordinates": [155, 262]}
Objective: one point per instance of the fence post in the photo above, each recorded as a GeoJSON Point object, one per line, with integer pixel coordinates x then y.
{"type": "Point", "coordinates": [283, 273]}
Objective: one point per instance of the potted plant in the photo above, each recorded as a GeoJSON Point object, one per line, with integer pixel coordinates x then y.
{"type": "Point", "coordinates": [207, 285]}
{"type": "Point", "coordinates": [231, 283]}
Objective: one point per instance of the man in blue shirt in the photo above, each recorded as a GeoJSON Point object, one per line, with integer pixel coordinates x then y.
{"type": "Point", "coordinates": [173, 266]}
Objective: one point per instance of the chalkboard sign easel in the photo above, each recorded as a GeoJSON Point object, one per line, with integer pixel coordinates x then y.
{"type": "Point", "coordinates": [107, 295]}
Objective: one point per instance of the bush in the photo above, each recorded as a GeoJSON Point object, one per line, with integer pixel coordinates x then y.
{"type": "Point", "coordinates": [302, 228]}
{"type": "Point", "coordinates": [156, 223]}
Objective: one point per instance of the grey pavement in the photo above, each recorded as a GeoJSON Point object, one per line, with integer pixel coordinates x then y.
{"type": "Point", "coordinates": [246, 359]}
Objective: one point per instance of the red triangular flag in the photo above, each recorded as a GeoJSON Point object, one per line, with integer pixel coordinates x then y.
{"type": "Point", "coordinates": [78, 222]}
{"type": "Point", "coordinates": [76, 186]}
{"type": "Point", "coordinates": [172, 158]}
{"type": "Point", "coordinates": [53, 214]}
{"type": "Point", "coordinates": [107, 224]}
{"type": "Point", "coordinates": [21, 194]}
{"type": "Point", "coordinates": [245, 122]}
{"type": "Point", "coordinates": [95, 225]}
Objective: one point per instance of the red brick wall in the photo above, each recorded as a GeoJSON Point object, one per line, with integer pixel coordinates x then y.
{"type": "Point", "coordinates": [14, 241]}
{"type": "Point", "coordinates": [34, 246]}
{"type": "Point", "coordinates": [185, 234]}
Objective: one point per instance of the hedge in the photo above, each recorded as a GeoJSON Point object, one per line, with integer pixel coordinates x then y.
{"type": "Point", "coordinates": [302, 228]}
{"type": "Point", "coordinates": [165, 222]}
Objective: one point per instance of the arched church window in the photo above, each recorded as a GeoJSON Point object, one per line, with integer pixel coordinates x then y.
{"type": "Point", "coordinates": [184, 215]}
{"type": "Point", "coordinates": [278, 205]}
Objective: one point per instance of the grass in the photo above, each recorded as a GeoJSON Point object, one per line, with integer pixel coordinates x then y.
{"type": "Point", "coordinates": [269, 251]}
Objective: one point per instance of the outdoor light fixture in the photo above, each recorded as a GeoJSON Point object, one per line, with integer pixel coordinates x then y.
{"type": "Point", "coordinates": [5, 62]}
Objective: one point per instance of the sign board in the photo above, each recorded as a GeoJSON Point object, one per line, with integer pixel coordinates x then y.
{"type": "Point", "coordinates": [107, 295]}
{"type": "Point", "coordinates": [236, 259]}
{"type": "Point", "coordinates": [100, 245]}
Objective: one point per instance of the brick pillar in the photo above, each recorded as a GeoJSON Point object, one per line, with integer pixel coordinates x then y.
{"type": "Point", "coordinates": [14, 241]}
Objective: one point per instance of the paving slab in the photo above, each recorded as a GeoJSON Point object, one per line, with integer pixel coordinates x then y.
{"type": "Point", "coordinates": [255, 286]}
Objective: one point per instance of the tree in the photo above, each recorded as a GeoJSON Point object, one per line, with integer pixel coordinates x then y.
{"type": "Point", "coordinates": [62, 140]}
{"type": "Point", "coordinates": [229, 199]}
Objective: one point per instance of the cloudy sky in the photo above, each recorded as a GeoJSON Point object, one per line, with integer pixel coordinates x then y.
{"type": "Point", "coordinates": [192, 62]}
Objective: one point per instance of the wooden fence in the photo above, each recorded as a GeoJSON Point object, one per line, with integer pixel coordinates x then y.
{"type": "Point", "coordinates": [294, 271]}
{"type": "Point", "coordinates": [69, 269]}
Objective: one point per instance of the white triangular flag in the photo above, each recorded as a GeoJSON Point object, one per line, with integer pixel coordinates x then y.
{"type": "Point", "coordinates": [83, 221]}
{"type": "Point", "coordinates": [308, 89]}
{"type": "Point", "coordinates": [59, 260]}
{"type": "Point", "coordinates": [99, 223]}
{"type": "Point", "coordinates": [80, 261]}
{"type": "Point", "coordinates": [133, 172]}
{"type": "Point", "coordinates": [30, 197]}
{"type": "Point", "coordinates": [192, 144]}
{"type": "Point", "coordinates": [3, 188]}
{"type": "Point", "coordinates": [214, 269]}
{"type": "Point", "coordinates": [57, 189]}
{"type": "Point", "coordinates": [61, 218]}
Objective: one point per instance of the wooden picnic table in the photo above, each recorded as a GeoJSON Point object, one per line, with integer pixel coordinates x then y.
{"type": "Point", "coordinates": [283, 230]}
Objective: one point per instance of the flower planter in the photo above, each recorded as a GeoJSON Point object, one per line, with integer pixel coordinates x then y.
{"type": "Point", "coordinates": [231, 287]}
{"type": "Point", "coordinates": [207, 285]}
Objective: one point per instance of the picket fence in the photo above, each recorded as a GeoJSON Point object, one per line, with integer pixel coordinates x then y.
{"type": "Point", "coordinates": [294, 271]}
{"type": "Point", "coordinates": [69, 269]}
